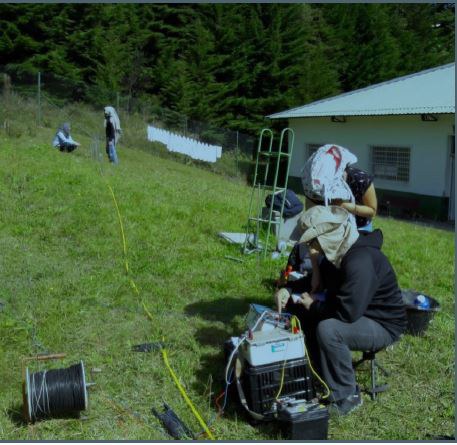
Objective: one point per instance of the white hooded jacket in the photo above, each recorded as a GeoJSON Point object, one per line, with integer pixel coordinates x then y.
{"type": "Point", "coordinates": [114, 118]}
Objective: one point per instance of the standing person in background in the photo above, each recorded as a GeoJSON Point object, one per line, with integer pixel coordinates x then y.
{"type": "Point", "coordinates": [113, 132]}
{"type": "Point", "coordinates": [63, 140]}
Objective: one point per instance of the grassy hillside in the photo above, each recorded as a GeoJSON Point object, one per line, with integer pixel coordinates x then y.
{"type": "Point", "coordinates": [65, 289]}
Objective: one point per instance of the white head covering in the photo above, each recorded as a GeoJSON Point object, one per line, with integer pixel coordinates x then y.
{"type": "Point", "coordinates": [322, 175]}
{"type": "Point", "coordinates": [114, 118]}
{"type": "Point", "coordinates": [333, 227]}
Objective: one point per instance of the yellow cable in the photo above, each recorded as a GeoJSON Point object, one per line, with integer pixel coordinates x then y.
{"type": "Point", "coordinates": [292, 325]}
{"type": "Point", "coordinates": [146, 310]}
{"type": "Point", "coordinates": [282, 379]}
{"type": "Point", "coordinates": [132, 283]}
{"type": "Point", "coordinates": [294, 320]}
{"type": "Point", "coordinates": [124, 243]}
{"type": "Point", "coordinates": [186, 398]}
{"type": "Point", "coordinates": [164, 352]}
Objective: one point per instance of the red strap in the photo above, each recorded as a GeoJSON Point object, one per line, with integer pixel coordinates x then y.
{"type": "Point", "coordinates": [333, 151]}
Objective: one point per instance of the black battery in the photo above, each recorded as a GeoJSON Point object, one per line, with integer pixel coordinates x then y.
{"type": "Point", "coordinates": [302, 420]}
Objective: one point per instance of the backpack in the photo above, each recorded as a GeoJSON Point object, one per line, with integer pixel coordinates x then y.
{"type": "Point", "coordinates": [322, 174]}
{"type": "Point", "coordinates": [292, 205]}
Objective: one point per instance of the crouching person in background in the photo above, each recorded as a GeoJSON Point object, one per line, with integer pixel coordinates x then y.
{"type": "Point", "coordinates": [63, 140]}
{"type": "Point", "coordinates": [362, 309]}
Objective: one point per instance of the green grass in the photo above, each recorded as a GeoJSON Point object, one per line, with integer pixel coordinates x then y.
{"type": "Point", "coordinates": [65, 289]}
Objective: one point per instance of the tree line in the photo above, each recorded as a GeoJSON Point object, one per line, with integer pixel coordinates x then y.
{"type": "Point", "coordinates": [228, 64]}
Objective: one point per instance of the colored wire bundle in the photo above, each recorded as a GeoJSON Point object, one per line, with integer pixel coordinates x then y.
{"type": "Point", "coordinates": [235, 350]}
{"type": "Point", "coordinates": [56, 392]}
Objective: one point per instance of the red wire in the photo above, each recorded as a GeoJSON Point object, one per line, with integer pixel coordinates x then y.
{"type": "Point", "coordinates": [219, 413]}
{"type": "Point", "coordinates": [217, 402]}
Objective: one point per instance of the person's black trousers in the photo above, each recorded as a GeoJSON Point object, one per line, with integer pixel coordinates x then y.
{"type": "Point", "coordinates": [336, 339]}
{"type": "Point", "coordinates": [67, 147]}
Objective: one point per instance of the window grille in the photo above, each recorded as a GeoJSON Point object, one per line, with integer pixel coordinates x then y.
{"type": "Point", "coordinates": [391, 163]}
{"type": "Point", "coordinates": [312, 148]}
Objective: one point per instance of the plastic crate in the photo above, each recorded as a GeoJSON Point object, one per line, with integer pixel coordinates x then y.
{"type": "Point", "coordinates": [261, 383]}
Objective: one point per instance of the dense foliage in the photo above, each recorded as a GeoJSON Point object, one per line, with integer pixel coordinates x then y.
{"type": "Point", "coordinates": [230, 64]}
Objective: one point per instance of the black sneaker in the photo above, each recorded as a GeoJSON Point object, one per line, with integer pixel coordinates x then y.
{"type": "Point", "coordinates": [347, 405]}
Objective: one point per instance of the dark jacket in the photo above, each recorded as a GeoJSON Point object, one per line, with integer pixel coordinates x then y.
{"type": "Point", "coordinates": [365, 285]}
{"type": "Point", "coordinates": [359, 181]}
{"type": "Point", "coordinates": [109, 131]}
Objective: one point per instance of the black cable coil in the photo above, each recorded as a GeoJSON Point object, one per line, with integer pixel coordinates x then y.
{"type": "Point", "coordinates": [57, 392]}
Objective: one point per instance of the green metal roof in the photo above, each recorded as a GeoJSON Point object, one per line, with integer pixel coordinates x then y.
{"type": "Point", "coordinates": [428, 92]}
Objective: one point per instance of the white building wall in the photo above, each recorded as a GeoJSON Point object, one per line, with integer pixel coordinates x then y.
{"type": "Point", "coordinates": [428, 141]}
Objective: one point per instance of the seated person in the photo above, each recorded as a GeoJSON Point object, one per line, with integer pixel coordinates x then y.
{"type": "Point", "coordinates": [366, 203]}
{"type": "Point", "coordinates": [363, 309]}
{"type": "Point", "coordinates": [63, 140]}
{"type": "Point", "coordinates": [363, 205]}
{"type": "Point", "coordinates": [329, 177]}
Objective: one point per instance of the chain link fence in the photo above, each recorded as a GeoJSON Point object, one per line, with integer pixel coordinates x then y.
{"type": "Point", "coordinates": [46, 99]}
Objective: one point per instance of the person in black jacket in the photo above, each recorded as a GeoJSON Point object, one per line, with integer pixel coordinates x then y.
{"type": "Point", "coordinates": [113, 132]}
{"type": "Point", "coordinates": [363, 308]}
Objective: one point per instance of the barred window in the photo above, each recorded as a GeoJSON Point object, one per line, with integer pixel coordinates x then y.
{"type": "Point", "coordinates": [312, 148]}
{"type": "Point", "coordinates": [391, 163]}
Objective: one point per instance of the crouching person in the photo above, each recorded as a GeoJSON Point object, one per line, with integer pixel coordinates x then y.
{"type": "Point", "coordinates": [63, 140]}
{"type": "Point", "coordinates": [362, 309]}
